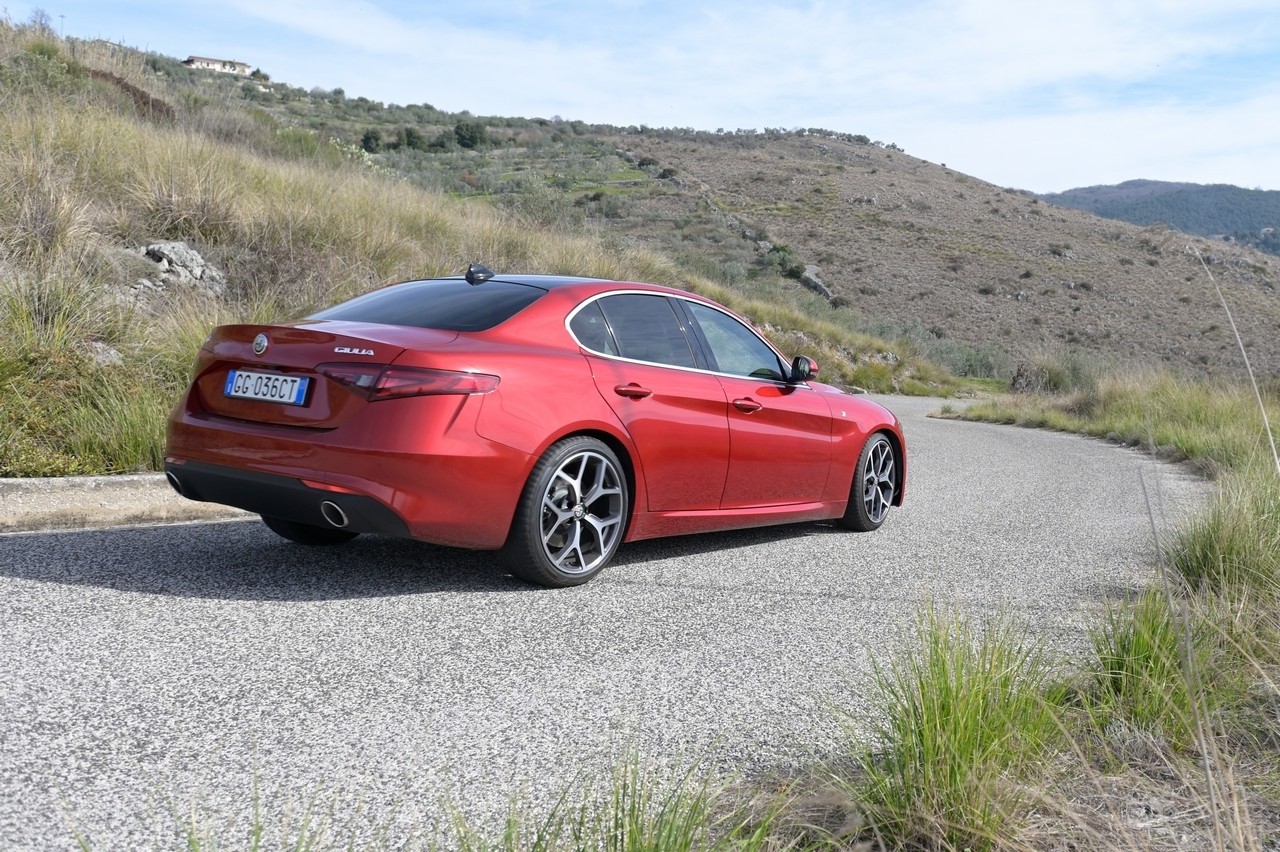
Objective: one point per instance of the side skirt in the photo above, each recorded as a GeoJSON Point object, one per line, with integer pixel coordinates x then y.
{"type": "Point", "coordinates": [658, 524]}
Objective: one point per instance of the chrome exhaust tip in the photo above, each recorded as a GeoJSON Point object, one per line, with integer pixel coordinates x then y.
{"type": "Point", "coordinates": [174, 482]}
{"type": "Point", "coordinates": [333, 514]}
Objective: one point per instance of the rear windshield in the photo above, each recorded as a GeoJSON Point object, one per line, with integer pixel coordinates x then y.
{"type": "Point", "coordinates": [445, 304]}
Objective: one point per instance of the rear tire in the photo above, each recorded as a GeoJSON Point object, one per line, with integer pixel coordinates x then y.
{"type": "Point", "coordinates": [875, 484]}
{"type": "Point", "coordinates": [307, 533]}
{"type": "Point", "coordinates": [571, 516]}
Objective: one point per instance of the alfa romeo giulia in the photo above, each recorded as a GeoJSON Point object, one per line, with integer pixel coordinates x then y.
{"type": "Point", "coordinates": [549, 418]}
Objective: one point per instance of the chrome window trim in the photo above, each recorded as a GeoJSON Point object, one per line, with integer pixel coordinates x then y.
{"type": "Point", "coordinates": [568, 328]}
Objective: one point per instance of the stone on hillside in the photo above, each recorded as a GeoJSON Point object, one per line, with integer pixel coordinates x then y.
{"type": "Point", "coordinates": [177, 265]}
{"type": "Point", "coordinates": [102, 354]}
{"type": "Point", "coordinates": [812, 279]}
{"type": "Point", "coordinates": [889, 359]}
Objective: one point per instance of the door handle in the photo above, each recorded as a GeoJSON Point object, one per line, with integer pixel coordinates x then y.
{"type": "Point", "coordinates": [632, 391]}
{"type": "Point", "coordinates": [747, 404]}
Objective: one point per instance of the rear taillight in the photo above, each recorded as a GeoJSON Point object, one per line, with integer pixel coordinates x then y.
{"type": "Point", "coordinates": [374, 381]}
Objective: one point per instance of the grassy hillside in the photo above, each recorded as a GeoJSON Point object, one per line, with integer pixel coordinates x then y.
{"type": "Point", "coordinates": [99, 157]}
{"type": "Point", "coordinates": [955, 259]}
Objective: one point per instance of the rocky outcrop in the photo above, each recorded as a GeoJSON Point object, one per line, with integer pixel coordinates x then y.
{"type": "Point", "coordinates": [812, 279]}
{"type": "Point", "coordinates": [101, 354]}
{"type": "Point", "coordinates": [178, 267]}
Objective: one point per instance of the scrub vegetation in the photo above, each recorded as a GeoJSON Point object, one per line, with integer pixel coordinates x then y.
{"type": "Point", "coordinates": [1166, 736]}
{"type": "Point", "coordinates": [1181, 694]}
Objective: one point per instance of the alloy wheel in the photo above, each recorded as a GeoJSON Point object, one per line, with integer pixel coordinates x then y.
{"type": "Point", "coordinates": [878, 482]}
{"type": "Point", "coordinates": [582, 512]}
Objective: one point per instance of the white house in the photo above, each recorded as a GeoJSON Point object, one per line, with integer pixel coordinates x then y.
{"type": "Point", "coordinates": [227, 66]}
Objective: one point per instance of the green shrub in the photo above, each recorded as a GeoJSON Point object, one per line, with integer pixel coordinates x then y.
{"type": "Point", "coordinates": [1068, 372]}
{"type": "Point", "coordinates": [471, 134]}
{"type": "Point", "coordinates": [41, 67]}
{"type": "Point", "coordinates": [639, 811]}
{"type": "Point", "coordinates": [783, 259]}
{"type": "Point", "coordinates": [963, 722]}
{"type": "Point", "coordinates": [1143, 675]}
{"type": "Point", "coordinates": [1234, 547]}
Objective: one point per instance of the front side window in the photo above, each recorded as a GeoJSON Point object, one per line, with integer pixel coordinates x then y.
{"type": "Point", "coordinates": [736, 349]}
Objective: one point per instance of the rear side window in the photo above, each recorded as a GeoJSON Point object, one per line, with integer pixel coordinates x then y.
{"type": "Point", "coordinates": [445, 304]}
{"type": "Point", "coordinates": [647, 329]}
{"type": "Point", "coordinates": [589, 327]}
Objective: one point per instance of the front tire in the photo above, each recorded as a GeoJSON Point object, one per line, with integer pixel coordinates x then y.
{"type": "Point", "coordinates": [306, 533]}
{"type": "Point", "coordinates": [571, 516]}
{"type": "Point", "coordinates": [875, 484]}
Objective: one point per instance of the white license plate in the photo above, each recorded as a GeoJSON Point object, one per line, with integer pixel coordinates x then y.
{"type": "Point", "coordinates": [268, 387]}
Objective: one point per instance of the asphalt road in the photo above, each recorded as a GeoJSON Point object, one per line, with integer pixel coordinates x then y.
{"type": "Point", "coordinates": [156, 678]}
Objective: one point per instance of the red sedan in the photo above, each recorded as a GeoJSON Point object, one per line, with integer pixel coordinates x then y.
{"type": "Point", "coordinates": [551, 418]}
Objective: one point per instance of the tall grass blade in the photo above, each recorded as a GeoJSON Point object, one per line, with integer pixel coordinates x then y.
{"type": "Point", "coordinates": [1189, 672]}
{"type": "Point", "coordinates": [1253, 380]}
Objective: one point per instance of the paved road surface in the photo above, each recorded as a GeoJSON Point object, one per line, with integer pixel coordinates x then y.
{"type": "Point", "coordinates": [152, 673]}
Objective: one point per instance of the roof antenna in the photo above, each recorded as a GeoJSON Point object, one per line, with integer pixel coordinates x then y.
{"type": "Point", "coordinates": [478, 273]}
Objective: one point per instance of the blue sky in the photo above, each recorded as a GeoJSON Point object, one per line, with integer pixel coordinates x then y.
{"type": "Point", "coordinates": [1042, 95]}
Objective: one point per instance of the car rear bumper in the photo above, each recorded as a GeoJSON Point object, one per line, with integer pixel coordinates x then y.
{"type": "Point", "coordinates": [413, 467]}
{"type": "Point", "coordinates": [283, 497]}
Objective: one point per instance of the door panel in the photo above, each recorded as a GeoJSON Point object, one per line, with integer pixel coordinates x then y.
{"type": "Point", "coordinates": [678, 423]}
{"type": "Point", "coordinates": [779, 434]}
{"type": "Point", "coordinates": [780, 444]}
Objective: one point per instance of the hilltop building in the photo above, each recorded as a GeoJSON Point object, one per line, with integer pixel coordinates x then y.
{"type": "Point", "coordinates": [226, 66]}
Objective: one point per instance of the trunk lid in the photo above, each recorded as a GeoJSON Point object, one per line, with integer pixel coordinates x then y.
{"type": "Point", "coordinates": [281, 382]}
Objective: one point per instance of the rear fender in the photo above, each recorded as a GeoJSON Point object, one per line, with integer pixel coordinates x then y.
{"type": "Point", "coordinates": [530, 419]}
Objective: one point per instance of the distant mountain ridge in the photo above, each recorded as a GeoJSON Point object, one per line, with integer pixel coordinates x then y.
{"type": "Point", "coordinates": [1248, 216]}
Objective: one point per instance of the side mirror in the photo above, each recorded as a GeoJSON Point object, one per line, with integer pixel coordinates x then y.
{"type": "Point", "coordinates": [803, 368]}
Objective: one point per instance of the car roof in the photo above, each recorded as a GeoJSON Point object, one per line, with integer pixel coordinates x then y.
{"type": "Point", "coordinates": [547, 282]}
{"type": "Point", "coordinates": [557, 282]}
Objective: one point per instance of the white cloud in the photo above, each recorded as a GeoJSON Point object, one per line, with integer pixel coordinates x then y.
{"type": "Point", "coordinates": [1229, 144]}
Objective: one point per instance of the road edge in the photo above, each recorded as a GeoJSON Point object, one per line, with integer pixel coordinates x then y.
{"type": "Point", "coordinates": [95, 502]}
